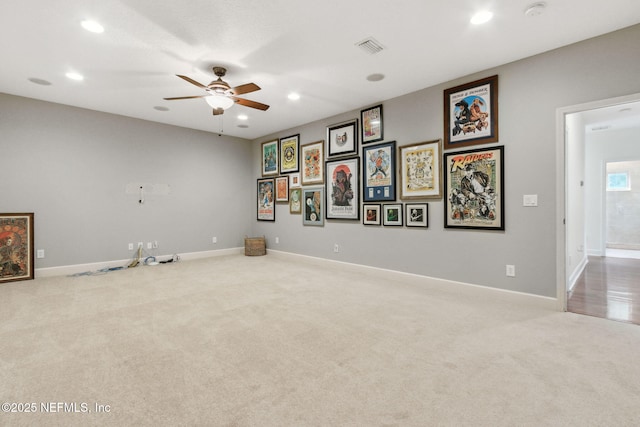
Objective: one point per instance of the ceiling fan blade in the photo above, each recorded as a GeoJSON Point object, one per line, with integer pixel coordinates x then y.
{"type": "Point", "coordinates": [218, 111]}
{"type": "Point", "coordinates": [248, 103]}
{"type": "Point", "coordinates": [242, 89]}
{"type": "Point", "coordinates": [193, 82]}
{"type": "Point", "coordinates": [185, 97]}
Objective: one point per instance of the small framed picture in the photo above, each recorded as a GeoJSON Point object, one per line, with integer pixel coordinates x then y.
{"type": "Point", "coordinates": [371, 214]}
{"type": "Point", "coordinates": [420, 170]}
{"type": "Point", "coordinates": [294, 180]}
{"type": "Point", "coordinates": [295, 201]}
{"type": "Point", "coordinates": [16, 247]}
{"type": "Point", "coordinates": [282, 189]}
{"type": "Point", "coordinates": [270, 158]}
{"type": "Point", "coordinates": [313, 209]}
{"type": "Point", "coordinates": [417, 214]}
{"type": "Point", "coordinates": [471, 113]}
{"type": "Point", "coordinates": [372, 129]}
{"type": "Point", "coordinates": [289, 147]}
{"type": "Point", "coordinates": [392, 214]}
{"type": "Point", "coordinates": [266, 206]}
{"type": "Point", "coordinates": [312, 163]}
{"type": "Point", "coordinates": [342, 139]}
{"type": "Point", "coordinates": [379, 172]}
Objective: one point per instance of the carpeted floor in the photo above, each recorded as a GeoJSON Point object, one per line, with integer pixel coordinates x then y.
{"type": "Point", "coordinates": [270, 341]}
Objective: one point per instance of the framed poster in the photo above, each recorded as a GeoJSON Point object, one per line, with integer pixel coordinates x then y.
{"type": "Point", "coordinates": [289, 147]}
{"type": "Point", "coordinates": [295, 201]}
{"type": "Point", "coordinates": [16, 247]}
{"type": "Point", "coordinates": [420, 170]}
{"type": "Point", "coordinates": [312, 163]}
{"type": "Point", "coordinates": [471, 113]}
{"type": "Point", "coordinates": [282, 189]}
{"type": "Point", "coordinates": [371, 214]}
{"type": "Point", "coordinates": [379, 172]}
{"type": "Point", "coordinates": [417, 214]}
{"type": "Point", "coordinates": [474, 188]}
{"type": "Point", "coordinates": [343, 201]}
{"type": "Point", "coordinates": [342, 139]}
{"type": "Point", "coordinates": [270, 158]}
{"type": "Point", "coordinates": [313, 209]}
{"type": "Point", "coordinates": [372, 129]}
{"type": "Point", "coordinates": [392, 214]}
{"type": "Point", "coordinates": [265, 199]}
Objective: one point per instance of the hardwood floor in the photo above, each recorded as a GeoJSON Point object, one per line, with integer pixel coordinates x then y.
{"type": "Point", "coordinates": [609, 288]}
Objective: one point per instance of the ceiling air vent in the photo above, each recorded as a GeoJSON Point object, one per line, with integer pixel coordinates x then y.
{"type": "Point", "coordinates": [370, 45]}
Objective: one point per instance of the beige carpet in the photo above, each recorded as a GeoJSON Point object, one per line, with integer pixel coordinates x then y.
{"type": "Point", "coordinates": [265, 341]}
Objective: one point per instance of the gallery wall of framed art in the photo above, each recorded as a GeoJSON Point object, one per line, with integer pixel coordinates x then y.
{"type": "Point", "coordinates": [359, 175]}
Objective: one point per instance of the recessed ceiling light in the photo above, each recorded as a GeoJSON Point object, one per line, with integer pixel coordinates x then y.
{"type": "Point", "coordinates": [376, 77]}
{"type": "Point", "coordinates": [481, 17]}
{"type": "Point", "coordinates": [92, 26]}
{"type": "Point", "coordinates": [535, 9]}
{"type": "Point", "coordinates": [294, 96]}
{"type": "Point", "coordinates": [39, 81]}
{"type": "Point", "coordinates": [243, 117]}
{"type": "Point", "coordinates": [74, 76]}
{"type": "Point", "coordinates": [160, 108]}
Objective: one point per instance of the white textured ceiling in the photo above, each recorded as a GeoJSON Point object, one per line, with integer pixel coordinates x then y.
{"type": "Point", "coordinates": [281, 45]}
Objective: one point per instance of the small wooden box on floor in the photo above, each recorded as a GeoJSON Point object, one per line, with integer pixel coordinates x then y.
{"type": "Point", "coordinates": [254, 246]}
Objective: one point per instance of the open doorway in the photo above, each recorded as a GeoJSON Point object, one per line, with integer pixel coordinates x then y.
{"type": "Point", "coordinates": [622, 212]}
{"type": "Point", "coordinates": [602, 224]}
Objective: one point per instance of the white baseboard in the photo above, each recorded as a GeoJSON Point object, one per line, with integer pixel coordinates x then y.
{"type": "Point", "coordinates": [67, 270]}
{"type": "Point", "coordinates": [576, 273]}
{"type": "Point", "coordinates": [467, 288]}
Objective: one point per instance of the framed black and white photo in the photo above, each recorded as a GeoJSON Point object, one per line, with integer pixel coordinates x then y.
{"type": "Point", "coordinates": [342, 139]}
{"type": "Point", "coordinates": [417, 214]}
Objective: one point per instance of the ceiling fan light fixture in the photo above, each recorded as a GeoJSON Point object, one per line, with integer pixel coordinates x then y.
{"type": "Point", "coordinates": [219, 101]}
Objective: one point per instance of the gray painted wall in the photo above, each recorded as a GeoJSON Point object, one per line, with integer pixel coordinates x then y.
{"type": "Point", "coordinates": [530, 92]}
{"type": "Point", "coordinates": [71, 167]}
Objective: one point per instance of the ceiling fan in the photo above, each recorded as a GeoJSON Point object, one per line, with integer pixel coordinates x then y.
{"type": "Point", "coordinates": [220, 95]}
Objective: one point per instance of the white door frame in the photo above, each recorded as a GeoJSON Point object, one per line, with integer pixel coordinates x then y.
{"type": "Point", "coordinates": [561, 186]}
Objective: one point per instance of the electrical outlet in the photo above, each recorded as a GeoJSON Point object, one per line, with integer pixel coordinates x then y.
{"type": "Point", "coordinates": [141, 244]}
{"type": "Point", "coordinates": [511, 270]}
{"type": "Point", "coordinates": [277, 240]}
{"type": "Point", "coordinates": [149, 245]}
{"type": "Point", "coordinates": [130, 246]}
{"type": "Point", "coordinates": [336, 248]}
{"type": "Point", "coordinates": [40, 253]}
{"type": "Point", "coordinates": [214, 240]}
{"type": "Point", "coordinates": [155, 244]}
